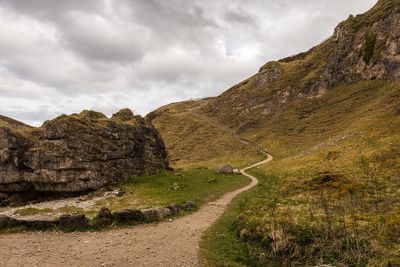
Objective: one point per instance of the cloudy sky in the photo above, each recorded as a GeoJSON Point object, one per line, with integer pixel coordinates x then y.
{"type": "Point", "coordinates": [65, 56]}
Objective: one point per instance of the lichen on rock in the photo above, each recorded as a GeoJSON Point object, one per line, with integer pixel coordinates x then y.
{"type": "Point", "coordinates": [79, 152]}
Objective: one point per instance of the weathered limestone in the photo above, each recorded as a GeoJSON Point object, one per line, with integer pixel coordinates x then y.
{"type": "Point", "coordinates": [79, 152]}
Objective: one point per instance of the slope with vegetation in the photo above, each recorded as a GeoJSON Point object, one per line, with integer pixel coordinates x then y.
{"type": "Point", "coordinates": [192, 140]}
{"type": "Point", "coordinates": [331, 118]}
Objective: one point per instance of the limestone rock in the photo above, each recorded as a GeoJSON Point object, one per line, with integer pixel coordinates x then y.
{"type": "Point", "coordinates": [79, 152]}
{"type": "Point", "coordinates": [189, 206]}
{"type": "Point", "coordinates": [104, 217]}
{"type": "Point", "coordinates": [128, 215]}
{"type": "Point", "coordinates": [227, 168]}
{"type": "Point", "coordinates": [163, 212]}
{"type": "Point", "coordinates": [174, 208]}
{"type": "Point", "coordinates": [151, 215]}
{"type": "Point", "coordinates": [73, 222]}
{"type": "Point", "coordinates": [8, 222]}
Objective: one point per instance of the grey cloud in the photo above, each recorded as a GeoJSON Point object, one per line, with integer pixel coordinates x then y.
{"type": "Point", "coordinates": [64, 56]}
{"type": "Point", "coordinates": [94, 38]}
{"type": "Point", "coordinates": [50, 9]}
{"type": "Point", "coordinates": [238, 16]}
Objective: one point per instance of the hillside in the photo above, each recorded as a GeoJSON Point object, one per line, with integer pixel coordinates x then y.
{"type": "Point", "coordinates": [193, 140]}
{"type": "Point", "coordinates": [16, 125]}
{"type": "Point", "coordinates": [294, 103]}
{"type": "Point", "coordinates": [331, 119]}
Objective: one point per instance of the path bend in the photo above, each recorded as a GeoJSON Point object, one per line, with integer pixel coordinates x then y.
{"type": "Point", "coordinates": [170, 243]}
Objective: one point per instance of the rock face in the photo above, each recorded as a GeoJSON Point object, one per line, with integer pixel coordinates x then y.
{"type": "Point", "coordinates": [363, 48]}
{"type": "Point", "coordinates": [79, 152]}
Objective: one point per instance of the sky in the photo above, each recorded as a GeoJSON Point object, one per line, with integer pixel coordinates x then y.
{"type": "Point", "coordinates": [61, 57]}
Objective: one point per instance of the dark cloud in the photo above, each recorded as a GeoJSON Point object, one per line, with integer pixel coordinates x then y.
{"type": "Point", "coordinates": [64, 56]}
{"type": "Point", "coordinates": [50, 9]}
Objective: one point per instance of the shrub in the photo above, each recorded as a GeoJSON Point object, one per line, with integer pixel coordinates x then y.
{"type": "Point", "coordinates": [368, 47]}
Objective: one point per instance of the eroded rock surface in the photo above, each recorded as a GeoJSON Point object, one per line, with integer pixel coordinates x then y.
{"type": "Point", "coordinates": [79, 152]}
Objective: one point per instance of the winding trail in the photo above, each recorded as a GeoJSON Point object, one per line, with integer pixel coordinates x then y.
{"type": "Point", "coordinates": [170, 243]}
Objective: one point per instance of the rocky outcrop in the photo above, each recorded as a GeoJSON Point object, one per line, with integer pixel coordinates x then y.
{"type": "Point", "coordinates": [365, 47]}
{"type": "Point", "coordinates": [103, 219]}
{"type": "Point", "coordinates": [79, 152]}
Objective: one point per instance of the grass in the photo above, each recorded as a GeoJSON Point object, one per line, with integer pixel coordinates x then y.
{"type": "Point", "coordinates": [32, 211]}
{"type": "Point", "coordinates": [200, 185]}
{"type": "Point", "coordinates": [161, 189]}
{"type": "Point", "coordinates": [369, 46]}
{"type": "Point", "coordinates": [71, 210]}
{"type": "Point", "coordinates": [193, 142]}
{"type": "Point", "coordinates": [338, 204]}
{"type": "Point", "coordinates": [220, 245]}
{"type": "Point", "coordinates": [332, 194]}
{"type": "Point", "coordinates": [164, 188]}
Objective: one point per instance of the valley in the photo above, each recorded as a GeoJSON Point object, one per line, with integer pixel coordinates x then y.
{"type": "Point", "coordinates": [323, 125]}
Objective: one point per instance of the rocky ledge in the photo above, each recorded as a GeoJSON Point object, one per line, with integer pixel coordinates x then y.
{"type": "Point", "coordinates": [78, 152]}
{"type": "Point", "coordinates": [103, 219]}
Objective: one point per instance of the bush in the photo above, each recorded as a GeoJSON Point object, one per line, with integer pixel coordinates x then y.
{"type": "Point", "coordinates": [368, 48]}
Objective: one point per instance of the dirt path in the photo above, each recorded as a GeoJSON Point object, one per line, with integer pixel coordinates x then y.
{"type": "Point", "coordinates": [173, 243]}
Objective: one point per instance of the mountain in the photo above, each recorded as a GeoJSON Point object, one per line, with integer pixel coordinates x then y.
{"type": "Point", "coordinates": [292, 104]}
{"type": "Point", "coordinates": [331, 119]}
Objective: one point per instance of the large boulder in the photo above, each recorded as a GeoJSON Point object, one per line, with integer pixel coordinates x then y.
{"type": "Point", "coordinates": [227, 168]}
{"type": "Point", "coordinates": [79, 152]}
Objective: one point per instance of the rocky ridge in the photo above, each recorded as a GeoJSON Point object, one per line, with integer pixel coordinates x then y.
{"type": "Point", "coordinates": [362, 48]}
{"type": "Point", "coordinates": [78, 152]}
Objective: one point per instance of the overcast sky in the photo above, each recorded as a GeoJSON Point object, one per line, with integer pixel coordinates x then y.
{"type": "Point", "coordinates": [65, 56]}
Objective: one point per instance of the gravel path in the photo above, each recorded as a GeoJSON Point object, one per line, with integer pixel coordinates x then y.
{"type": "Point", "coordinates": [171, 243]}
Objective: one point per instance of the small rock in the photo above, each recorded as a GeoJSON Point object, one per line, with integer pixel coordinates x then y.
{"type": "Point", "coordinates": [104, 217]}
{"type": "Point", "coordinates": [174, 208]}
{"type": "Point", "coordinates": [73, 222]}
{"type": "Point", "coordinates": [84, 198]}
{"type": "Point", "coordinates": [163, 212]}
{"type": "Point", "coordinates": [212, 181]}
{"type": "Point", "coordinates": [129, 215]}
{"type": "Point", "coordinates": [189, 205]}
{"type": "Point", "coordinates": [151, 215]}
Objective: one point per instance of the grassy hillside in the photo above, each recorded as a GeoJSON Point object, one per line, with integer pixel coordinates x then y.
{"type": "Point", "coordinates": [335, 204]}
{"type": "Point", "coordinates": [193, 141]}
{"type": "Point", "coordinates": [331, 119]}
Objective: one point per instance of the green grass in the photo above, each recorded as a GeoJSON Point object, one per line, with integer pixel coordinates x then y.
{"type": "Point", "coordinates": [192, 141]}
{"type": "Point", "coordinates": [221, 245]}
{"type": "Point", "coordinates": [32, 211]}
{"type": "Point", "coordinates": [335, 205]}
{"type": "Point", "coordinates": [368, 48]}
{"type": "Point", "coordinates": [164, 188]}
{"type": "Point", "coordinates": [71, 210]}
